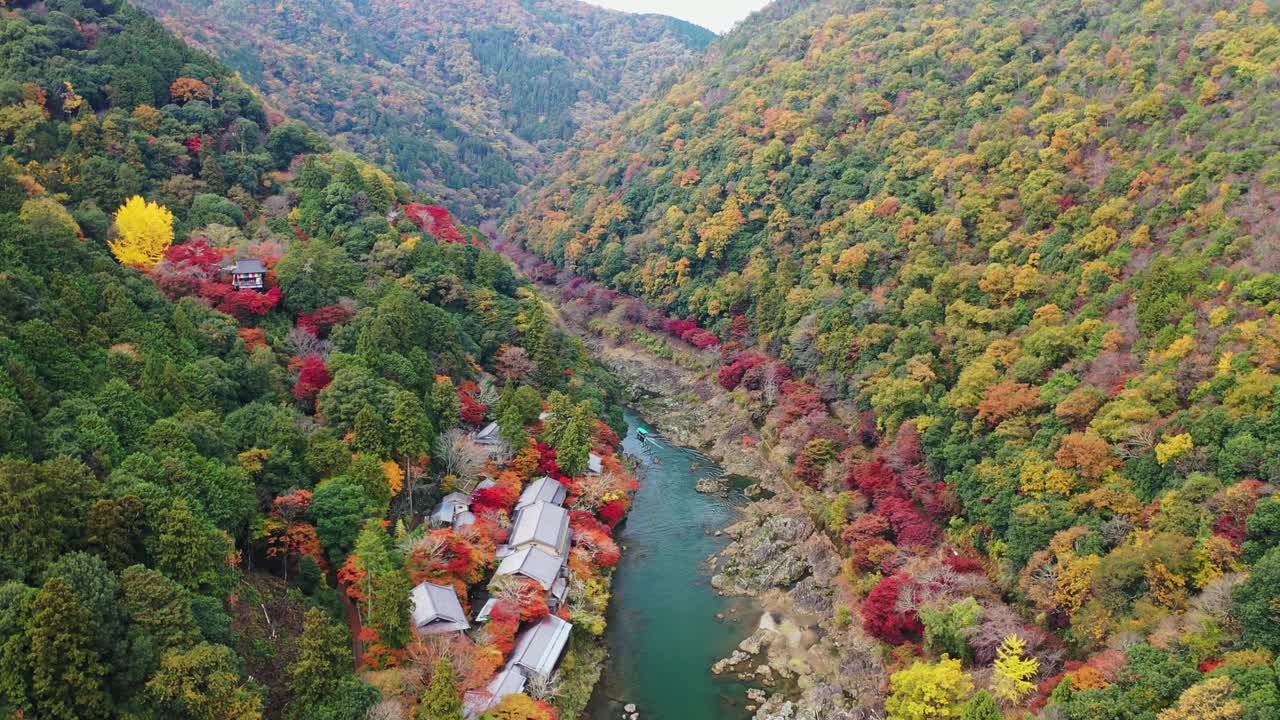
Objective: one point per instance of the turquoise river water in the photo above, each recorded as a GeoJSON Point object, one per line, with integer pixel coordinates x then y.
{"type": "Point", "coordinates": [663, 632]}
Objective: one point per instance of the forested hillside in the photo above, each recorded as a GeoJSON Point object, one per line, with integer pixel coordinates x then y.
{"type": "Point", "coordinates": [465, 99]}
{"type": "Point", "coordinates": [211, 497]}
{"type": "Point", "coordinates": [1003, 278]}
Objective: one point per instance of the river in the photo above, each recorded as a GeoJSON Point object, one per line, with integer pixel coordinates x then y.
{"type": "Point", "coordinates": [663, 632]}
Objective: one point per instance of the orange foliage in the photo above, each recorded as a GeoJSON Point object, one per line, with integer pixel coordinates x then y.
{"type": "Point", "coordinates": [1088, 454]}
{"type": "Point", "coordinates": [186, 89]}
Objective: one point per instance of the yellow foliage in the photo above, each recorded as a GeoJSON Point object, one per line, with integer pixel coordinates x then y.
{"type": "Point", "coordinates": [395, 476]}
{"type": "Point", "coordinates": [145, 232]}
{"type": "Point", "coordinates": [1211, 699]}
{"type": "Point", "coordinates": [1180, 348]}
{"type": "Point", "coordinates": [1173, 448]}
{"type": "Point", "coordinates": [926, 691]}
{"type": "Point", "coordinates": [1074, 582]}
{"type": "Point", "coordinates": [1167, 589]}
{"type": "Point", "coordinates": [1013, 670]}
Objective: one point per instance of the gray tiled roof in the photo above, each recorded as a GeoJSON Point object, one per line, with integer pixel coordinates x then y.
{"type": "Point", "coordinates": [538, 649]}
{"type": "Point", "coordinates": [544, 489]}
{"type": "Point", "coordinates": [541, 523]}
{"type": "Point", "coordinates": [532, 562]}
{"type": "Point", "coordinates": [249, 265]}
{"type": "Point", "coordinates": [436, 609]}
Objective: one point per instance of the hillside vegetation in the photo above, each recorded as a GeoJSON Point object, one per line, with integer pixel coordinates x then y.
{"type": "Point", "coordinates": [465, 99]}
{"type": "Point", "coordinates": [204, 489]}
{"type": "Point", "coordinates": [1003, 277]}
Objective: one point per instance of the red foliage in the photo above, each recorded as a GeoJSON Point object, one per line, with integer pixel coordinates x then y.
{"type": "Point", "coordinates": [320, 322]}
{"type": "Point", "coordinates": [351, 578]}
{"type": "Point", "coordinates": [500, 631]}
{"type": "Point", "coordinates": [243, 304]}
{"type": "Point", "coordinates": [194, 144]}
{"type": "Point", "coordinates": [612, 512]}
{"type": "Point", "coordinates": [196, 255]}
{"type": "Point", "coordinates": [964, 565]}
{"type": "Point", "coordinates": [435, 220]}
{"type": "Point", "coordinates": [798, 400]}
{"type": "Point", "coordinates": [740, 327]}
{"type": "Point", "coordinates": [254, 338]}
{"type": "Point", "coordinates": [497, 497]}
{"type": "Point", "coordinates": [601, 548]}
{"type": "Point", "coordinates": [731, 374]}
{"type": "Point", "coordinates": [910, 528]}
{"type": "Point", "coordinates": [678, 327]}
{"type": "Point", "coordinates": [876, 480]}
{"type": "Point", "coordinates": [880, 616]}
{"type": "Point", "coordinates": [472, 410]}
{"type": "Point", "coordinates": [583, 520]}
{"type": "Point", "coordinates": [701, 339]}
{"type": "Point", "coordinates": [313, 378]}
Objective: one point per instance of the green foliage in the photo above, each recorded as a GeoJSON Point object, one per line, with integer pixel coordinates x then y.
{"type": "Point", "coordinates": [441, 701]}
{"type": "Point", "coordinates": [1256, 603]}
{"type": "Point", "coordinates": [947, 629]}
{"type": "Point", "coordinates": [982, 706]}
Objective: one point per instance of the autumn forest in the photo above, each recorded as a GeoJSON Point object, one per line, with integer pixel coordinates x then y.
{"type": "Point", "coordinates": [310, 318]}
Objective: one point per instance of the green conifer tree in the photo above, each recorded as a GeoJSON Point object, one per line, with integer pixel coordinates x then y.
{"type": "Point", "coordinates": [442, 701]}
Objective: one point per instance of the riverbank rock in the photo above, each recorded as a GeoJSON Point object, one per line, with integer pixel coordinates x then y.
{"type": "Point", "coordinates": [712, 486]}
{"type": "Point", "coordinates": [724, 664]}
{"type": "Point", "coordinates": [766, 552]}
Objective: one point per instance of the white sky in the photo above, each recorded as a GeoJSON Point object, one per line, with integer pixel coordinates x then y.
{"type": "Point", "coordinates": [717, 15]}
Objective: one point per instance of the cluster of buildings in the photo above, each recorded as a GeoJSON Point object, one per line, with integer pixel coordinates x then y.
{"type": "Point", "coordinates": [537, 549]}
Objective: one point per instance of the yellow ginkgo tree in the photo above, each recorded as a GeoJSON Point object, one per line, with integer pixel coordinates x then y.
{"type": "Point", "coordinates": [144, 231]}
{"type": "Point", "coordinates": [1014, 670]}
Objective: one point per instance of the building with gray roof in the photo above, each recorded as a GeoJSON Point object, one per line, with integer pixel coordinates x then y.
{"type": "Point", "coordinates": [539, 648]}
{"type": "Point", "coordinates": [534, 563]}
{"type": "Point", "coordinates": [543, 525]}
{"type": "Point", "coordinates": [545, 489]}
{"type": "Point", "coordinates": [436, 610]}
{"type": "Point", "coordinates": [450, 507]}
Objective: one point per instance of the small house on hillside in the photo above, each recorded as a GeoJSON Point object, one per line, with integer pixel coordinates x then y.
{"type": "Point", "coordinates": [453, 505]}
{"type": "Point", "coordinates": [534, 563]}
{"type": "Point", "coordinates": [543, 525]}
{"type": "Point", "coordinates": [545, 489]}
{"type": "Point", "coordinates": [436, 610]}
{"type": "Point", "coordinates": [488, 435]}
{"type": "Point", "coordinates": [247, 274]}
{"type": "Point", "coordinates": [539, 648]}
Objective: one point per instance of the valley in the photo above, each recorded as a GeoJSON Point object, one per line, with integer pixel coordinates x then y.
{"type": "Point", "coordinates": [527, 360]}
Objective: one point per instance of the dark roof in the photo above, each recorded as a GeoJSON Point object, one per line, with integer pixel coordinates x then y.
{"type": "Point", "coordinates": [249, 265]}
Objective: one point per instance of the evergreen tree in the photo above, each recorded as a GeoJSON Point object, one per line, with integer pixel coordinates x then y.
{"type": "Point", "coordinates": [370, 433]}
{"type": "Point", "coordinates": [511, 426]}
{"type": "Point", "coordinates": [982, 706]}
{"type": "Point", "coordinates": [204, 683]}
{"type": "Point", "coordinates": [442, 701]}
{"type": "Point", "coordinates": [445, 404]}
{"type": "Point", "coordinates": [324, 657]}
{"type": "Point", "coordinates": [67, 673]}
{"type": "Point", "coordinates": [390, 614]}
